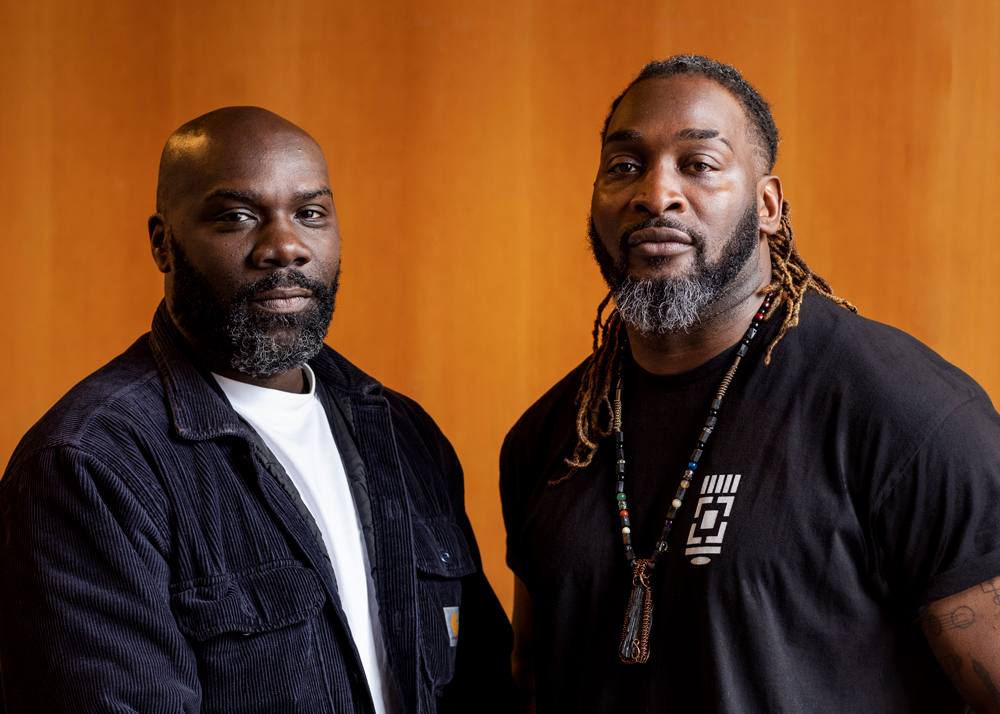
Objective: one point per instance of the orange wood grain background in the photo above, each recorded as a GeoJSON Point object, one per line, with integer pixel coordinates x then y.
{"type": "Point", "coordinates": [462, 138]}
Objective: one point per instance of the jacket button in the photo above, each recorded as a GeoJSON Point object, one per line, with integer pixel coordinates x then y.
{"type": "Point", "coordinates": [353, 676]}
{"type": "Point", "coordinates": [445, 556]}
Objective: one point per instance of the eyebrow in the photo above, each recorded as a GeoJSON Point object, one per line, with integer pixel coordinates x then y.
{"type": "Point", "coordinates": [236, 195]}
{"type": "Point", "coordinates": [693, 134]}
{"type": "Point", "coordinates": [690, 134]}
{"type": "Point", "coordinates": [254, 197]}
{"type": "Point", "coordinates": [309, 195]}
{"type": "Point", "coordinates": [623, 135]}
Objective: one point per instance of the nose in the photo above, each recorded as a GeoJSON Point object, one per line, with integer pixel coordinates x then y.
{"type": "Point", "coordinates": [280, 245]}
{"type": "Point", "coordinates": [659, 192]}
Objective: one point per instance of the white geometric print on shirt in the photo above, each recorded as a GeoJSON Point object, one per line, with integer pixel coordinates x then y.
{"type": "Point", "coordinates": [714, 506]}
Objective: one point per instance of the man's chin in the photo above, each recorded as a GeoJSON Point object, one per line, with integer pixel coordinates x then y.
{"type": "Point", "coordinates": [660, 271]}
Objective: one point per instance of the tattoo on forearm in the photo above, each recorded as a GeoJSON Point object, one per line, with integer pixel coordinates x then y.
{"type": "Point", "coordinates": [961, 617]}
{"type": "Point", "coordinates": [952, 666]}
{"type": "Point", "coordinates": [990, 587]}
{"type": "Point", "coordinates": [980, 670]}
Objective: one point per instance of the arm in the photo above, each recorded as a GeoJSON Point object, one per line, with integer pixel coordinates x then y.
{"type": "Point", "coordinates": [964, 633]}
{"type": "Point", "coordinates": [84, 593]}
{"type": "Point", "coordinates": [523, 658]}
{"type": "Point", "coordinates": [482, 681]}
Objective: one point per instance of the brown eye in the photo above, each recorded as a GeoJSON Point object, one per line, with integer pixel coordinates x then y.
{"type": "Point", "coordinates": [236, 217]}
{"type": "Point", "coordinates": [622, 167]}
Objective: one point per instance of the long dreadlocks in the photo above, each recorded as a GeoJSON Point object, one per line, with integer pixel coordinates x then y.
{"type": "Point", "coordinates": [791, 279]}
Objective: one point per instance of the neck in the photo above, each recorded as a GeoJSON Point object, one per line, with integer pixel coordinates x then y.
{"type": "Point", "coordinates": [294, 380]}
{"type": "Point", "coordinates": [722, 326]}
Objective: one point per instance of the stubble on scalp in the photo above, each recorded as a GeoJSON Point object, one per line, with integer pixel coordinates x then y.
{"type": "Point", "coordinates": [663, 306]}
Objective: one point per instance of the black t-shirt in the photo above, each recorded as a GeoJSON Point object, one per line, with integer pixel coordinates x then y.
{"type": "Point", "coordinates": [850, 483]}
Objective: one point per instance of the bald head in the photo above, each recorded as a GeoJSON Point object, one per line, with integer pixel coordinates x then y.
{"type": "Point", "coordinates": [211, 142]}
{"type": "Point", "coordinates": [246, 237]}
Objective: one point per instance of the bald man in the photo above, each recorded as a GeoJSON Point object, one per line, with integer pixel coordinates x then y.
{"type": "Point", "coordinates": [230, 516]}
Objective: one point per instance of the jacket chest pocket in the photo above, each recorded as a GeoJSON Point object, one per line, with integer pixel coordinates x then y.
{"type": "Point", "coordinates": [254, 634]}
{"type": "Point", "coordinates": [442, 559]}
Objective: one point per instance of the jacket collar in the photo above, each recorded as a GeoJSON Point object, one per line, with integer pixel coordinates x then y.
{"type": "Point", "coordinates": [198, 406]}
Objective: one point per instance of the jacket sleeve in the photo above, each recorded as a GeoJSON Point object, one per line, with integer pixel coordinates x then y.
{"type": "Point", "coordinates": [84, 595]}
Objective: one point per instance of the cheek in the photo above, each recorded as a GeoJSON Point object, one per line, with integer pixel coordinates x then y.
{"type": "Point", "coordinates": [606, 215]}
{"type": "Point", "coordinates": [326, 255]}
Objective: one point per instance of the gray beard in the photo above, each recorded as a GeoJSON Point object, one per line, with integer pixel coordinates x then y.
{"type": "Point", "coordinates": [668, 305]}
{"type": "Point", "coordinates": [661, 307]}
{"type": "Point", "coordinates": [260, 345]}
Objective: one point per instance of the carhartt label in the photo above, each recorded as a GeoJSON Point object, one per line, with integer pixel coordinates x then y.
{"type": "Point", "coordinates": [451, 618]}
{"type": "Point", "coordinates": [715, 503]}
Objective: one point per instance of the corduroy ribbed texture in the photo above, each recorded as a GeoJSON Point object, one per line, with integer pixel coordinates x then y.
{"type": "Point", "coordinates": [151, 560]}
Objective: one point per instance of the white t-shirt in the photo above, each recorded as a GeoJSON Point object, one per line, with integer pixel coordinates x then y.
{"type": "Point", "coordinates": [296, 429]}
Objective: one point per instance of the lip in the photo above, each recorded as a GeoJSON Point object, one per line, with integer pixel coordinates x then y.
{"type": "Point", "coordinates": [659, 235]}
{"type": "Point", "coordinates": [283, 299]}
{"type": "Point", "coordinates": [658, 241]}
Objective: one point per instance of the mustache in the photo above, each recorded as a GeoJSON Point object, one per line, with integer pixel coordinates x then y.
{"type": "Point", "coordinates": [697, 241]}
{"type": "Point", "coordinates": [282, 279]}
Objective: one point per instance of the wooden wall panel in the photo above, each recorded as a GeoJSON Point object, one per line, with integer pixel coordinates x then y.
{"type": "Point", "coordinates": [462, 141]}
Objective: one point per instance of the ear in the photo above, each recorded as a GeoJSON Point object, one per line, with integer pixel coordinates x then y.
{"type": "Point", "coordinates": [769, 202]}
{"type": "Point", "coordinates": [158, 242]}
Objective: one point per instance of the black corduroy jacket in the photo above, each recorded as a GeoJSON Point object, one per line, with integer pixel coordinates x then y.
{"type": "Point", "coordinates": [154, 557]}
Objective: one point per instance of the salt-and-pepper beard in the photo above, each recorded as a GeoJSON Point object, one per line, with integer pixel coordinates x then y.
{"type": "Point", "coordinates": [661, 306]}
{"type": "Point", "coordinates": [254, 343]}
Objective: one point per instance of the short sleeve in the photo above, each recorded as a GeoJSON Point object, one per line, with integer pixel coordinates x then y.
{"type": "Point", "coordinates": [938, 529]}
{"type": "Point", "coordinates": [513, 508]}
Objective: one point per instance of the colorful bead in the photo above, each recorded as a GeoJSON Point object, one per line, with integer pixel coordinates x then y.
{"type": "Point", "coordinates": [710, 422]}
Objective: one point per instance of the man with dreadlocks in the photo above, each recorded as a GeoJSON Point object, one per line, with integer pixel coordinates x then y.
{"type": "Point", "coordinates": [748, 498]}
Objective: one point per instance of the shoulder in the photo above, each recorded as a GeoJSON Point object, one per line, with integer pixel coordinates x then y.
{"type": "Point", "coordinates": [549, 413]}
{"type": "Point", "coordinates": [410, 421]}
{"type": "Point", "coordinates": [877, 397]}
{"type": "Point", "coordinates": [101, 412]}
{"type": "Point", "coordinates": [881, 364]}
{"type": "Point", "coordinates": [543, 436]}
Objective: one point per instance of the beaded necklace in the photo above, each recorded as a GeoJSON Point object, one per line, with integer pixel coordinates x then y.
{"type": "Point", "coordinates": [638, 620]}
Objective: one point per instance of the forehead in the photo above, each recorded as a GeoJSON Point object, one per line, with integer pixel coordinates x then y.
{"type": "Point", "coordinates": [659, 108]}
{"type": "Point", "coordinates": [266, 163]}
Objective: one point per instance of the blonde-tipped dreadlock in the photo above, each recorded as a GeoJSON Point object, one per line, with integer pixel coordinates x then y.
{"type": "Point", "coordinates": [791, 279]}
